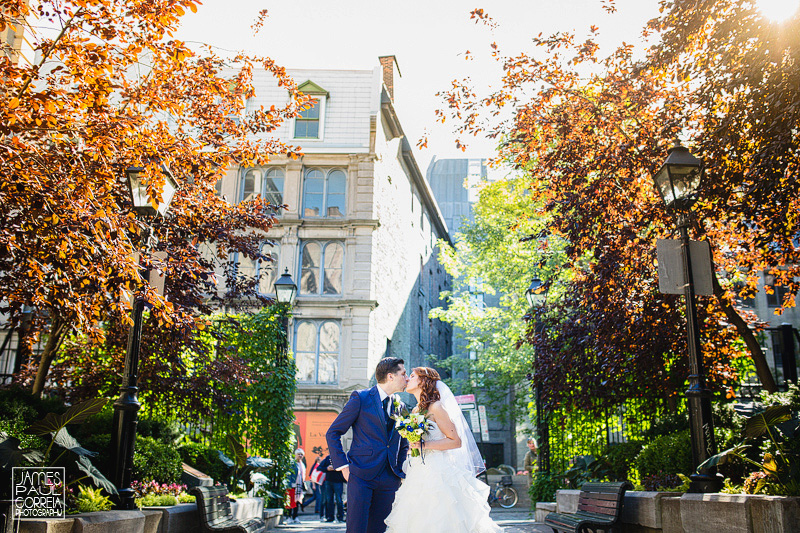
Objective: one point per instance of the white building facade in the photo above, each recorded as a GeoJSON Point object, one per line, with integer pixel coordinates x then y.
{"type": "Point", "coordinates": [358, 237]}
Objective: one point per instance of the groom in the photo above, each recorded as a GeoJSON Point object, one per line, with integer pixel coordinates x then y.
{"type": "Point", "coordinates": [373, 466]}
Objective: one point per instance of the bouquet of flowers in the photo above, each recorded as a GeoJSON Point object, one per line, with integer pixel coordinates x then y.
{"type": "Point", "coordinates": [412, 427]}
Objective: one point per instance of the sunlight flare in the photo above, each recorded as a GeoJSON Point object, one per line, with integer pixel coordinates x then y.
{"type": "Point", "coordinates": [777, 10]}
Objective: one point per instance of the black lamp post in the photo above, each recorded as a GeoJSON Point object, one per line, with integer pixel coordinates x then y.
{"type": "Point", "coordinates": [126, 407]}
{"type": "Point", "coordinates": [536, 294]}
{"type": "Point", "coordinates": [285, 291]}
{"type": "Point", "coordinates": [677, 182]}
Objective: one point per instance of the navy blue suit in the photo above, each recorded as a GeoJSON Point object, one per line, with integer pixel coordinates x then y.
{"type": "Point", "coordinates": [376, 459]}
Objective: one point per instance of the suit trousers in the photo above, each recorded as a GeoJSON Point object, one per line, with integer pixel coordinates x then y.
{"type": "Point", "coordinates": [369, 502]}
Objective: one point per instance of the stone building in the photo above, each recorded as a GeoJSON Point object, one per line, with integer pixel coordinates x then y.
{"type": "Point", "coordinates": [15, 39]}
{"type": "Point", "coordinates": [780, 339]}
{"type": "Point", "coordinates": [359, 237]}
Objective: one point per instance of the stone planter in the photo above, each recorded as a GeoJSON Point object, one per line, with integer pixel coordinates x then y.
{"type": "Point", "coordinates": [181, 518]}
{"type": "Point", "coordinates": [674, 512]}
{"type": "Point", "coordinates": [177, 518]}
{"type": "Point", "coordinates": [734, 513]}
{"type": "Point", "coordinates": [643, 511]}
{"type": "Point", "coordinates": [50, 525]}
{"type": "Point", "coordinates": [567, 500]}
{"type": "Point", "coordinates": [543, 509]}
{"type": "Point", "coordinates": [272, 517]}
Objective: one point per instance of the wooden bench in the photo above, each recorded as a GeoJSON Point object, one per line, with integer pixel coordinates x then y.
{"type": "Point", "coordinates": [214, 508]}
{"type": "Point", "coordinates": [599, 508]}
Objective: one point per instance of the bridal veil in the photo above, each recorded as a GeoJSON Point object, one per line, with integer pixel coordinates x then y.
{"type": "Point", "coordinates": [467, 456]}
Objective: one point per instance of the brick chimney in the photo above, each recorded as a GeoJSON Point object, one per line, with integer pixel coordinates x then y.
{"type": "Point", "coordinates": [389, 64]}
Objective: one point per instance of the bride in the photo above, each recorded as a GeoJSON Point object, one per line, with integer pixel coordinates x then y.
{"type": "Point", "coordinates": [440, 489]}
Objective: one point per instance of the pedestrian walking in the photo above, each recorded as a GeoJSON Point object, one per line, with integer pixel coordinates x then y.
{"type": "Point", "coordinates": [294, 492]}
{"type": "Point", "coordinates": [334, 486]}
{"type": "Point", "coordinates": [315, 477]}
{"type": "Point", "coordinates": [531, 457]}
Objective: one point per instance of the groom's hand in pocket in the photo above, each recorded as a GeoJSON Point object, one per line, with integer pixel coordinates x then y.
{"type": "Point", "coordinates": [346, 473]}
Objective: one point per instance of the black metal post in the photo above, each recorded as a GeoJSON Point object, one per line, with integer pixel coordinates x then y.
{"type": "Point", "coordinates": [698, 395]}
{"type": "Point", "coordinates": [126, 410]}
{"type": "Point", "coordinates": [283, 346]}
{"type": "Point", "coordinates": [542, 420]}
{"type": "Point", "coordinates": [788, 360]}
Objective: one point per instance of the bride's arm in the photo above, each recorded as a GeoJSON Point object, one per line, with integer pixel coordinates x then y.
{"type": "Point", "coordinates": [442, 419]}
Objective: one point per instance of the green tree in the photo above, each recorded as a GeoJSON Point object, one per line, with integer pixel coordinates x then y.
{"type": "Point", "coordinates": [496, 257]}
{"type": "Point", "coordinates": [589, 131]}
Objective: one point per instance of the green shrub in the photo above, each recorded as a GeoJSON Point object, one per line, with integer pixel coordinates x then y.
{"type": "Point", "coordinates": [667, 425]}
{"type": "Point", "coordinates": [621, 457]}
{"type": "Point", "coordinates": [587, 468]}
{"type": "Point", "coordinates": [204, 459]}
{"type": "Point", "coordinates": [99, 424]}
{"type": "Point", "coordinates": [668, 454]}
{"type": "Point", "coordinates": [100, 443]}
{"type": "Point", "coordinates": [21, 403]}
{"type": "Point", "coordinates": [157, 500]}
{"type": "Point", "coordinates": [544, 486]}
{"type": "Point", "coordinates": [156, 460]}
{"type": "Point", "coordinates": [163, 430]}
{"type": "Point", "coordinates": [18, 410]}
{"type": "Point", "coordinates": [184, 497]}
{"type": "Point", "coordinates": [90, 500]}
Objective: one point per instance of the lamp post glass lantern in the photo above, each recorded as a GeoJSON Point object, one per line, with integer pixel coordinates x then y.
{"type": "Point", "coordinates": [677, 182]}
{"type": "Point", "coordinates": [285, 288]}
{"type": "Point", "coordinates": [679, 177]}
{"type": "Point", "coordinates": [138, 189]}
{"type": "Point", "coordinates": [127, 406]}
{"type": "Point", "coordinates": [536, 294]}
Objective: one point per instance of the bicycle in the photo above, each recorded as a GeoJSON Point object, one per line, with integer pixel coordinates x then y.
{"type": "Point", "coordinates": [503, 493]}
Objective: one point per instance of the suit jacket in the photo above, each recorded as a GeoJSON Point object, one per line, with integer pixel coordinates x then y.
{"type": "Point", "coordinates": [372, 445]}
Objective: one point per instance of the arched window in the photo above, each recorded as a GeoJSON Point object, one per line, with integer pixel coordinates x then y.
{"type": "Point", "coordinates": [316, 349]}
{"type": "Point", "coordinates": [268, 182]}
{"type": "Point", "coordinates": [321, 268]}
{"type": "Point", "coordinates": [261, 271]}
{"type": "Point", "coordinates": [324, 193]}
{"type": "Point", "coordinates": [268, 270]}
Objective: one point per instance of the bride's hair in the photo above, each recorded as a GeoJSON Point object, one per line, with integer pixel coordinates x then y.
{"type": "Point", "coordinates": [427, 384]}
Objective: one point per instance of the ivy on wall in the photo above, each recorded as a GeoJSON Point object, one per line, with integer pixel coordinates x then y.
{"type": "Point", "coordinates": [261, 408]}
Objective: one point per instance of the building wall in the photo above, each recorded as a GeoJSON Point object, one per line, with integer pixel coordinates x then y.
{"type": "Point", "coordinates": [389, 231]}
{"type": "Point", "coordinates": [764, 306]}
{"type": "Point", "coordinates": [15, 39]}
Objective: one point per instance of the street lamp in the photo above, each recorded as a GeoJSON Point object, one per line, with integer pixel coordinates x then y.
{"type": "Point", "coordinates": [285, 291]}
{"type": "Point", "coordinates": [127, 406]}
{"type": "Point", "coordinates": [677, 182]}
{"type": "Point", "coordinates": [138, 189]}
{"type": "Point", "coordinates": [536, 294]}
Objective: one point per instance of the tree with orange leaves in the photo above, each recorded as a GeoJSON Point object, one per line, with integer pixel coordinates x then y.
{"type": "Point", "coordinates": [589, 131]}
{"type": "Point", "coordinates": [110, 88]}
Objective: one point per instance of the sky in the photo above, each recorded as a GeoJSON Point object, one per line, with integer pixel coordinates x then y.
{"type": "Point", "coordinates": [429, 39]}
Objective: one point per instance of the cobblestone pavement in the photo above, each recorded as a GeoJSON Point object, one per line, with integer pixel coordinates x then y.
{"type": "Point", "coordinates": [511, 520]}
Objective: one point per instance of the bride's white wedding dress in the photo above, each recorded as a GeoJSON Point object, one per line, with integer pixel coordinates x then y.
{"type": "Point", "coordinates": [438, 495]}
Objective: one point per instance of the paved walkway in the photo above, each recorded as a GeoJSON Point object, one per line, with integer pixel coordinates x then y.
{"type": "Point", "coordinates": [511, 520]}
